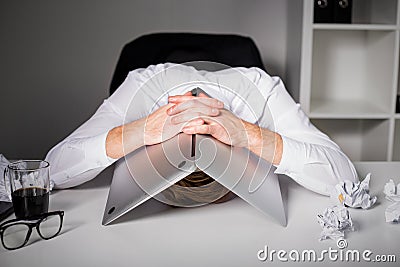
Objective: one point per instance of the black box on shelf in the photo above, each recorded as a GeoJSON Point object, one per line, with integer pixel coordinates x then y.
{"type": "Point", "coordinates": [398, 104]}
{"type": "Point", "coordinates": [342, 11]}
{"type": "Point", "coordinates": [323, 11]}
{"type": "Point", "coordinates": [332, 11]}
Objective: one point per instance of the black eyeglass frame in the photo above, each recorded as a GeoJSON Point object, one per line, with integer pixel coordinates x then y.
{"type": "Point", "coordinates": [26, 221]}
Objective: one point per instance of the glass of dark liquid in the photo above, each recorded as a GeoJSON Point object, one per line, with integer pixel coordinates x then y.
{"type": "Point", "coordinates": [28, 182]}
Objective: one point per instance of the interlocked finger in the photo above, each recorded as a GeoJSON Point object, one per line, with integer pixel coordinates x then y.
{"type": "Point", "coordinates": [193, 122]}
{"type": "Point", "coordinates": [198, 129]}
{"type": "Point", "coordinates": [193, 102]}
{"type": "Point", "coordinates": [195, 113]}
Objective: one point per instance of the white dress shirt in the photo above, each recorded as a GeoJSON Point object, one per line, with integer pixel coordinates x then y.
{"type": "Point", "coordinates": [309, 157]}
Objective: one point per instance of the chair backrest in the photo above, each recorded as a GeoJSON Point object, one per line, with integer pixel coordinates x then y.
{"type": "Point", "coordinates": [231, 50]}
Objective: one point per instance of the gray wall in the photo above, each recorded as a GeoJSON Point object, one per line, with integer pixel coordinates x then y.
{"type": "Point", "coordinates": [57, 57]}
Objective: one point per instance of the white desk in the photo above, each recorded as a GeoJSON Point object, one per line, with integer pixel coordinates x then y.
{"type": "Point", "coordinates": [227, 234]}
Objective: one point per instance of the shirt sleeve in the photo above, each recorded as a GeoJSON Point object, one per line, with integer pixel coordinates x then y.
{"type": "Point", "coordinates": [82, 155]}
{"type": "Point", "coordinates": [309, 156]}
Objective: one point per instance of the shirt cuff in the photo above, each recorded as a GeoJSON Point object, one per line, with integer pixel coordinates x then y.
{"type": "Point", "coordinates": [95, 151]}
{"type": "Point", "coordinates": [292, 160]}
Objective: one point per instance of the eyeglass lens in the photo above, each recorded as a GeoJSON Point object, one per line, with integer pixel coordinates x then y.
{"type": "Point", "coordinates": [50, 226]}
{"type": "Point", "coordinates": [15, 235]}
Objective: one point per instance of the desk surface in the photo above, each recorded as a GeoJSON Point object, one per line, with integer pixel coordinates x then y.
{"type": "Point", "coordinates": [226, 234]}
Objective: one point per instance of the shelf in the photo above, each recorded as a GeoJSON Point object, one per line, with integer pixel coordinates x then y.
{"type": "Point", "coordinates": [348, 75]}
{"type": "Point", "coordinates": [344, 109]}
{"type": "Point", "coordinates": [361, 140]}
{"type": "Point", "coordinates": [396, 143]}
{"type": "Point", "coordinates": [369, 27]}
{"type": "Point", "coordinates": [352, 73]}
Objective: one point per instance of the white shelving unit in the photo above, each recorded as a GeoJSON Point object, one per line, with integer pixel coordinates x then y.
{"type": "Point", "coordinates": [396, 144]}
{"type": "Point", "coordinates": [358, 137]}
{"type": "Point", "coordinates": [347, 76]}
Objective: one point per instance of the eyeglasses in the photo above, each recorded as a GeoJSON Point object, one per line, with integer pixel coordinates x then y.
{"type": "Point", "coordinates": [16, 233]}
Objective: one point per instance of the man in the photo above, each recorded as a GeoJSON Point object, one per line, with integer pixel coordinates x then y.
{"type": "Point", "coordinates": [246, 108]}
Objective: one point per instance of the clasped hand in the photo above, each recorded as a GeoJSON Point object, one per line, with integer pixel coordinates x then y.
{"type": "Point", "coordinates": [194, 115]}
{"type": "Point", "coordinates": [199, 115]}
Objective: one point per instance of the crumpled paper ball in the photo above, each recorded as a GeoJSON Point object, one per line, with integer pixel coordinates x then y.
{"type": "Point", "coordinates": [392, 193]}
{"type": "Point", "coordinates": [354, 195]}
{"type": "Point", "coordinates": [334, 222]}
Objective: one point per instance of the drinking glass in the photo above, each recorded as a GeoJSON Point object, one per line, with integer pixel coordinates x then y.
{"type": "Point", "coordinates": [28, 183]}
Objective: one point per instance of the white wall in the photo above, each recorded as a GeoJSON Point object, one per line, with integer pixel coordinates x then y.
{"type": "Point", "coordinates": [57, 57]}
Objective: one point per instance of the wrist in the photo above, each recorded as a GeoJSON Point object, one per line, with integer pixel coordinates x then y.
{"type": "Point", "coordinates": [114, 143]}
{"type": "Point", "coordinates": [278, 149]}
{"type": "Point", "coordinates": [254, 137]}
{"type": "Point", "coordinates": [265, 143]}
{"type": "Point", "coordinates": [124, 139]}
{"type": "Point", "coordinates": [133, 135]}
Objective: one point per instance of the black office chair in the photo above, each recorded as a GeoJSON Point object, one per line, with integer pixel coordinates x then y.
{"type": "Point", "coordinates": [151, 49]}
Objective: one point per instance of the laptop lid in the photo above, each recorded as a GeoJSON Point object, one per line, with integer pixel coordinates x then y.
{"type": "Point", "coordinates": [244, 173]}
{"type": "Point", "coordinates": [160, 166]}
{"type": "Point", "coordinates": [157, 167]}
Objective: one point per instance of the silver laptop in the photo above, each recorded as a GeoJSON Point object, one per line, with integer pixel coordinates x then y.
{"type": "Point", "coordinates": [158, 167]}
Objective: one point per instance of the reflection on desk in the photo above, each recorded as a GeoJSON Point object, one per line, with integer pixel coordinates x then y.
{"type": "Point", "coordinates": [226, 234]}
